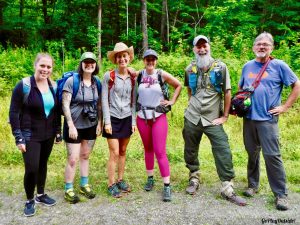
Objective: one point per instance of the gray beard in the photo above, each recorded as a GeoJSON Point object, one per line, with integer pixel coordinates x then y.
{"type": "Point", "coordinates": [202, 61]}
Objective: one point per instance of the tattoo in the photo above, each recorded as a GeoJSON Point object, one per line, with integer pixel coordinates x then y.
{"type": "Point", "coordinates": [69, 149]}
{"type": "Point", "coordinates": [91, 143]}
{"type": "Point", "coordinates": [66, 102]}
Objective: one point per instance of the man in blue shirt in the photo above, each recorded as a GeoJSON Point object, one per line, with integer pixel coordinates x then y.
{"type": "Point", "coordinates": [261, 122]}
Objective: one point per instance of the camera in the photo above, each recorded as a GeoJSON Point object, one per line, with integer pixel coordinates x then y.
{"type": "Point", "coordinates": [90, 114]}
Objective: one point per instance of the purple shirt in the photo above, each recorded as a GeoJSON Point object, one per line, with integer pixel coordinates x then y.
{"type": "Point", "coordinates": [268, 93]}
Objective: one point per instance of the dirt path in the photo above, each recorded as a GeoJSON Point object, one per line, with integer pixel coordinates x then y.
{"type": "Point", "coordinates": [147, 208]}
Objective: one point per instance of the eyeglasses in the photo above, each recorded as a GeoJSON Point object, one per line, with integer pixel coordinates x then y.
{"type": "Point", "coordinates": [262, 44]}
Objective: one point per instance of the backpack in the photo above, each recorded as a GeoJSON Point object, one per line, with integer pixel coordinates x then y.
{"type": "Point", "coordinates": [215, 77]}
{"type": "Point", "coordinates": [111, 82]}
{"type": "Point", "coordinates": [76, 84]}
{"type": "Point", "coordinates": [165, 90]}
{"type": "Point", "coordinates": [27, 87]}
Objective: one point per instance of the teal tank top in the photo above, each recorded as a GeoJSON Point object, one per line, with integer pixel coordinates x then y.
{"type": "Point", "coordinates": [48, 102]}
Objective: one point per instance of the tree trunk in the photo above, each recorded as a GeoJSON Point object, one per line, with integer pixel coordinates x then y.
{"type": "Point", "coordinates": [21, 8]}
{"type": "Point", "coordinates": [144, 24]}
{"type": "Point", "coordinates": [163, 26]}
{"type": "Point", "coordinates": [99, 30]}
{"type": "Point", "coordinates": [46, 17]}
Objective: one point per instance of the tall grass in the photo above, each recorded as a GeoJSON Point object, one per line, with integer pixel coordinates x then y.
{"type": "Point", "coordinates": [12, 169]}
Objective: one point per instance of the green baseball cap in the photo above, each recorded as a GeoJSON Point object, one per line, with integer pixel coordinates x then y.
{"type": "Point", "coordinates": [88, 55]}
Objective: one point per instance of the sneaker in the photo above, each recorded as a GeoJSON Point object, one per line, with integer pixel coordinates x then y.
{"type": "Point", "coordinates": [150, 184]}
{"type": "Point", "coordinates": [45, 199]}
{"type": "Point", "coordinates": [167, 194]}
{"type": "Point", "coordinates": [87, 191]}
{"type": "Point", "coordinates": [71, 197]}
{"type": "Point", "coordinates": [123, 186]}
{"type": "Point", "coordinates": [29, 209]}
{"type": "Point", "coordinates": [234, 199]}
{"type": "Point", "coordinates": [114, 191]}
{"type": "Point", "coordinates": [282, 203]}
{"type": "Point", "coordinates": [192, 187]}
{"type": "Point", "coordinates": [250, 192]}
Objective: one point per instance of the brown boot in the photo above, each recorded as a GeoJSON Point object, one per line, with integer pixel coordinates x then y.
{"type": "Point", "coordinates": [193, 183]}
{"type": "Point", "coordinates": [227, 192]}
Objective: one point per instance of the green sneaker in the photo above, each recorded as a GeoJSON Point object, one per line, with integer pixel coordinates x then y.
{"type": "Point", "coordinates": [149, 185]}
{"type": "Point", "coordinates": [114, 191]}
{"type": "Point", "coordinates": [123, 186]}
{"type": "Point", "coordinates": [87, 191]}
{"type": "Point", "coordinates": [71, 197]}
{"type": "Point", "coordinates": [167, 197]}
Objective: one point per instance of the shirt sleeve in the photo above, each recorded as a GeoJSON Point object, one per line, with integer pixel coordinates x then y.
{"type": "Point", "coordinates": [15, 112]}
{"type": "Point", "coordinates": [68, 86]}
{"type": "Point", "coordinates": [105, 103]}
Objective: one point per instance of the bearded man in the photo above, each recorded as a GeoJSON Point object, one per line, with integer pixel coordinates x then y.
{"type": "Point", "coordinates": [208, 82]}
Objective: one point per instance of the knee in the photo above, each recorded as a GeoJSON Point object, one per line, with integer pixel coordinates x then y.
{"type": "Point", "coordinates": [122, 152]}
{"type": "Point", "coordinates": [85, 156]}
{"type": "Point", "coordinates": [72, 162]}
{"type": "Point", "coordinates": [114, 156]}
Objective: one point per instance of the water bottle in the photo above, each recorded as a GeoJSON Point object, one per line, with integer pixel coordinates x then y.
{"type": "Point", "coordinates": [193, 78]}
{"type": "Point", "coordinates": [247, 102]}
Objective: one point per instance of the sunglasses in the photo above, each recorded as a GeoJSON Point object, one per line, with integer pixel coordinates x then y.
{"type": "Point", "coordinates": [149, 59]}
{"type": "Point", "coordinates": [89, 61]}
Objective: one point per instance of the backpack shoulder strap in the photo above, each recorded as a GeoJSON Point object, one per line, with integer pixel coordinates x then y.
{"type": "Point", "coordinates": [139, 78]}
{"type": "Point", "coordinates": [98, 83]}
{"type": "Point", "coordinates": [26, 88]}
{"type": "Point", "coordinates": [112, 77]}
{"type": "Point", "coordinates": [76, 84]}
{"type": "Point", "coordinates": [159, 77]}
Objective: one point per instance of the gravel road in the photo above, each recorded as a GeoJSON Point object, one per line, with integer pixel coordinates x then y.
{"type": "Point", "coordinates": [141, 208]}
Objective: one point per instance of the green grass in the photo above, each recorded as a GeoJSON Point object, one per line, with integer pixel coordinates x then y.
{"type": "Point", "coordinates": [12, 169]}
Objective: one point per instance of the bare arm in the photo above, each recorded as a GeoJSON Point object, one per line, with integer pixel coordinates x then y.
{"type": "Point", "coordinates": [66, 102]}
{"type": "Point", "coordinates": [227, 101]}
{"type": "Point", "coordinates": [100, 118]}
{"type": "Point", "coordinates": [171, 80]}
{"type": "Point", "coordinates": [290, 100]}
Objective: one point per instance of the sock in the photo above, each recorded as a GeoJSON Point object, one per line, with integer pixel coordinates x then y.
{"type": "Point", "coordinates": [84, 181]}
{"type": "Point", "coordinates": [39, 195]}
{"type": "Point", "coordinates": [68, 186]}
{"type": "Point", "coordinates": [166, 184]}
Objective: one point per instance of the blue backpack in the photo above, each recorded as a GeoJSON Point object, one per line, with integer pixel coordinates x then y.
{"type": "Point", "coordinates": [76, 83]}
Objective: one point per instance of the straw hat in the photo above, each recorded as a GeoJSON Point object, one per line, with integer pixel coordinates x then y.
{"type": "Point", "coordinates": [120, 47]}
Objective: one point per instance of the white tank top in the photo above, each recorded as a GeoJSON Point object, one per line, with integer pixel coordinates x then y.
{"type": "Point", "coordinates": [149, 94]}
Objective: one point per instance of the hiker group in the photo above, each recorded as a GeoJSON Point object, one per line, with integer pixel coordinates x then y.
{"type": "Point", "coordinates": [127, 100]}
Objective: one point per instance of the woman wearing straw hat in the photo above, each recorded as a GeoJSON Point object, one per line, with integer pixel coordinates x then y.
{"type": "Point", "coordinates": [119, 115]}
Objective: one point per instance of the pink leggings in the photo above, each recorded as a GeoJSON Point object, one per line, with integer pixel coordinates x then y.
{"type": "Point", "coordinates": [154, 137]}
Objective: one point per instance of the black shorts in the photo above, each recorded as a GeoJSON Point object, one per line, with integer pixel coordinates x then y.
{"type": "Point", "coordinates": [121, 128]}
{"type": "Point", "coordinates": [83, 134]}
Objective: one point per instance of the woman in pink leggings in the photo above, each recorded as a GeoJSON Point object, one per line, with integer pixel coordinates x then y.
{"type": "Point", "coordinates": [152, 105]}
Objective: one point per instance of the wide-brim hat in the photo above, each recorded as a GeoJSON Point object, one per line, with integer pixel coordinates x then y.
{"type": "Point", "coordinates": [120, 47]}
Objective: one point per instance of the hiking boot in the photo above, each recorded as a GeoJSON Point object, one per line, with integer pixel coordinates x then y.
{"type": "Point", "coordinates": [123, 186]}
{"type": "Point", "coordinates": [227, 192]}
{"type": "Point", "coordinates": [45, 199]}
{"type": "Point", "coordinates": [149, 185]}
{"type": "Point", "coordinates": [114, 191]}
{"type": "Point", "coordinates": [192, 187]}
{"type": "Point", "coordinates": [250, 192]}
{"type": "Point", "coordinates": [87, 191]}
{"type": "Point", "coordinates": [235, 199]}
{"type": "Point", "coordinates": [282, 203]}
{"type": "Point", "coordinates": [71, 197]}
{"type": "Point", "coordinates": [167, 194]}
{"type": "Point", "coordinates": [29, 209]}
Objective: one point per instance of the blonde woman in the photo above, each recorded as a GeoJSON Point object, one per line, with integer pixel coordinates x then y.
{"type": "Point", "coordinates": [119, 115]}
